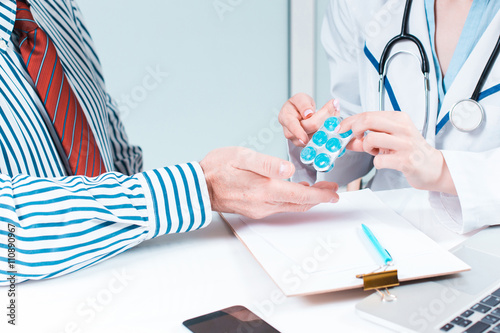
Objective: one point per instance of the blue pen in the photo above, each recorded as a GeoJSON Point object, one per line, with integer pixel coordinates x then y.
{"type": "Point", "coordinates": [386, 257]}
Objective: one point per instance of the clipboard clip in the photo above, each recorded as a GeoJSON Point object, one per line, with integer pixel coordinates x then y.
{"type": "Point", "coordinates": [381, 280]}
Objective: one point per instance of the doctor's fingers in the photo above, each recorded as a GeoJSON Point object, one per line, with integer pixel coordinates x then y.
{"type": "Point", "coordinates": [392, 122]}
{"type": "Point", "coordinates": [375, 142]}
{"type": "Point", "coordinates": [292, 193]}
{"type": "Point", "coordinates": [293, 138]}
{"type": "Point", "coordinates": [304, 104]}
{"type": "Point", "coordinates": [289, 118]}
{"type": "Point", "coordinates": [330, 109]}
{"type": "Point", "coordinates": [390, 161]}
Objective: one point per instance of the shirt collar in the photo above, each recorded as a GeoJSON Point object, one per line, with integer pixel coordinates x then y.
{"type": "Point", "coordinates": [7, 18]}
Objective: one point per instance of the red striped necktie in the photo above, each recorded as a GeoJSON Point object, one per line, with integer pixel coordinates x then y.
{"type": "Point", "coordinates": [64, 110]}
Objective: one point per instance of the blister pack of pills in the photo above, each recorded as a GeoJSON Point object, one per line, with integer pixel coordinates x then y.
{"type": "Point", "coordinates": [326, 146]}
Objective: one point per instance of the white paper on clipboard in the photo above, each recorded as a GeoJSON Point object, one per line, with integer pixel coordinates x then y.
{"type": "Point", "coordinates": [324, 249]}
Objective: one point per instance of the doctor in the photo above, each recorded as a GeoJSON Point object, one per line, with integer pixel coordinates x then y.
{"type": "Point", "coordinates": [427, 140]}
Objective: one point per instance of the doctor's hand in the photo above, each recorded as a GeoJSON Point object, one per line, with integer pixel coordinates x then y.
{"type": "Point", "coordinates": [397, 144]}
{"type": "Point", "coordinates": [245, 182]}
{"type": "Point", "coordinates": [300, 120]}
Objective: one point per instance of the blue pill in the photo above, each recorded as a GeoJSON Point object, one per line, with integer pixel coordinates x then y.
{"type": "Point", "coordinates": [320, 138]}
{"type": "Point", "coordinates": [346, 134]}
{"type": "Point", "coordinates": [334, 145]}
{"type": "Point", "coordinates": [322, 161]}
{"type": "Point", "coordinates": [308, 154]}
{"type": "Point", "coordinates": [332, 123]}
{"type": "Point", "coordinates": [342, 153]}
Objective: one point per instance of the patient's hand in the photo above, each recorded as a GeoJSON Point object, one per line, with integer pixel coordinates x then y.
{"type": "Point", "coordinates": [243, 181]}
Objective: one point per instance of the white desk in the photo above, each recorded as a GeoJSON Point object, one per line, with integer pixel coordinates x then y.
{"type": "Point", "coordinates": [178, 277]}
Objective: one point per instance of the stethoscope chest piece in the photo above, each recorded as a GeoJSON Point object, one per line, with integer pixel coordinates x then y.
{"type": "Point", "coordinates": [467, 115]}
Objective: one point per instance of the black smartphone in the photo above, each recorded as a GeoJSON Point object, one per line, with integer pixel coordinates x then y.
{"type": "Point", "coordinates": [236, 319]}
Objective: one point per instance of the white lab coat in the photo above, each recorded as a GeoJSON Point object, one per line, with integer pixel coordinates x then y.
{"type": "Point", "coordinates": [354, 34]}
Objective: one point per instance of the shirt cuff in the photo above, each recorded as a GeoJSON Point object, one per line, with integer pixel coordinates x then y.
{"type": "Point", "coordinates": [177, 199]}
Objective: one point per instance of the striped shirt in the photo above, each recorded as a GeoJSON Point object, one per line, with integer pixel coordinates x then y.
{"type": "Point", "coordinates": [63, 224]}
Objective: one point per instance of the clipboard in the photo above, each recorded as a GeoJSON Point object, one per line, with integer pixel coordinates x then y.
{"type": "Point", "coordinates": [324, 250]}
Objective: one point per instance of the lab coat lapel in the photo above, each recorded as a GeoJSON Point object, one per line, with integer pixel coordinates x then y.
{"type": "Point", "coordinates": [466, 80]}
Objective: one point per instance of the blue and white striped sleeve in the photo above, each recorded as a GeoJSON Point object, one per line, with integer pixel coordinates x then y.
{"type": "Point", "coordinates": [62, 225]}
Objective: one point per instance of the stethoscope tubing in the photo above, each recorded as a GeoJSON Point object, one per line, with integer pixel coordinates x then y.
{"type": "Point", "coordinates": [404, 35]}
{"type": "Point", "coordinates": [426, 88]}
{"type": "Point", "coordinates": [386, 58]}
{"type": "Point", "coordinates": [486, 72]}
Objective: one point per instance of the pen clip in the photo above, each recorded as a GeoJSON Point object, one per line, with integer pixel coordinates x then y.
{"type": "Point", "coordinates": [389, 261]}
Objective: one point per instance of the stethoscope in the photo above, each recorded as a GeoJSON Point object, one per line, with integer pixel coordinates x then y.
{"type": "Point", "coordinates": [466, 115]}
